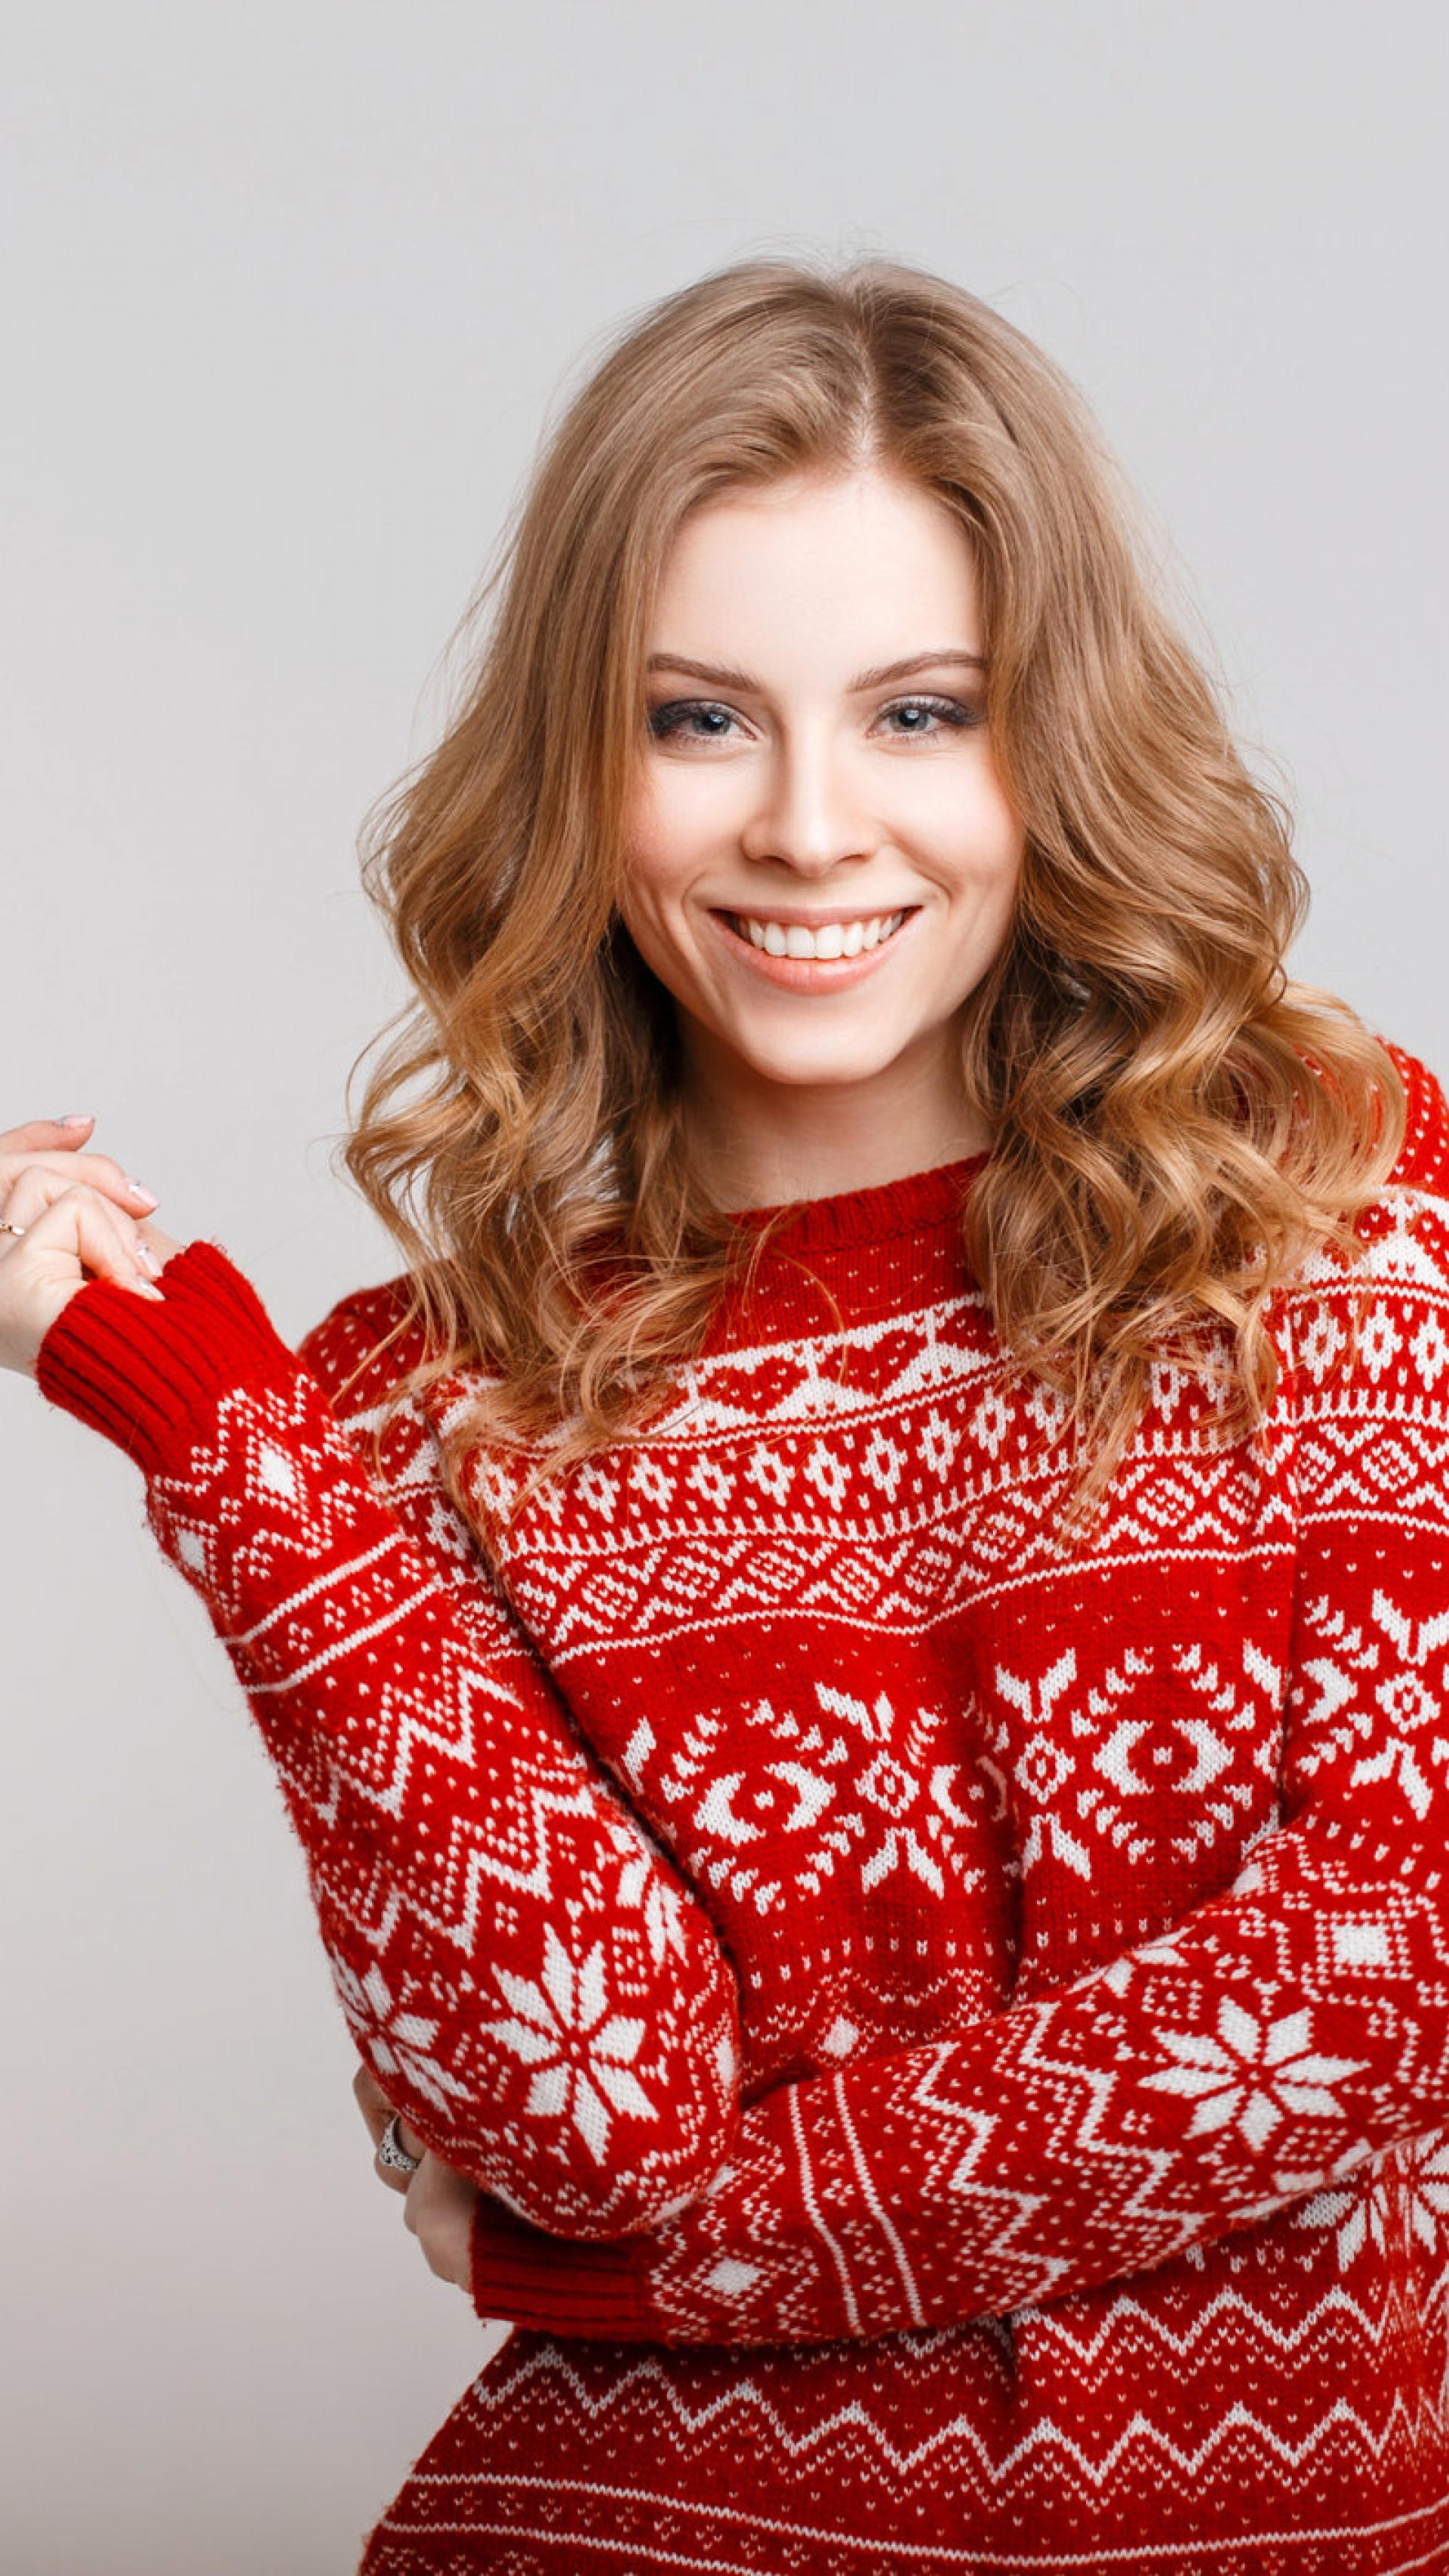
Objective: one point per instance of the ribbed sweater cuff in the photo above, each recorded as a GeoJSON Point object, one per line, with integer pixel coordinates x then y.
{"type": "Point", "coordinates": [150, 1375]}
{"type": "Point", "coordinates": [562, 2285]}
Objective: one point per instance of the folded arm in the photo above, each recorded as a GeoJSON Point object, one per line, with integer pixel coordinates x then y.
{"type": "Point", "coordinates": [1280, 2035]}
{"type": "Point", "coordinates": [535, 1989]}
{"type": "Point", "coordinates": [1284, 2032]}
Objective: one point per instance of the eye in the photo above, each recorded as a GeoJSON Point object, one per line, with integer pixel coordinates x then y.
{"type": "Point", "coordinates": [676, 721]}
{"type": "Point", "coordinates": [928, 714]}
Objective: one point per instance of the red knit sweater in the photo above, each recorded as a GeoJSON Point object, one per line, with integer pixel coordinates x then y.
{"type": "Point", "coordinates": [963, 2025]}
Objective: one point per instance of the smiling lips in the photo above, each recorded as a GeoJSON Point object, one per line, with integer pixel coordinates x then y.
{"type": "Point", "coordinates": [817, 954]}
{"type": "Point", "coordinates": [823, 939]}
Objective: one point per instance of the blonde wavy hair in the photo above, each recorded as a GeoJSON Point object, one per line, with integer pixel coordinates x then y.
{"type": "Point", "coordinates": [1175, 1123]}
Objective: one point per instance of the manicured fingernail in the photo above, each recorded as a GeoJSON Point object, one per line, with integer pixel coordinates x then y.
{"type": "Point", "coordinates": [145, 1254]}
{"type": "Point", "coordinates": [78, 1118]}
{"type": "Point", "coordinates": [144, 1288]}
{"type": "Point", "coordinates": [147, 1198]}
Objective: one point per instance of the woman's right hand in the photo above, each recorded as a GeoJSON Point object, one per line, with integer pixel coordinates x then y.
{"type": "Point", "coordinates": [78, 1212]}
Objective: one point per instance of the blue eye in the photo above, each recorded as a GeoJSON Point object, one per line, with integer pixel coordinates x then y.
{"type": "Point", "coordinates": [947, 711]}
{"type": "Point", "coordinates": [703, 720]}
{"type": "Point", "coordinates": [665, 722]}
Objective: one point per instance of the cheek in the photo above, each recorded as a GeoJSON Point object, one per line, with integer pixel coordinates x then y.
{"type": "Point", "coordinates": [674, 834]}
{"type": "Point", "coordinates": [683, 813]}
{"type": "Point", "coordinates": [648, 901]}
{"type": "Point", "coordinates": [658, 847]}
{"type": "Point", "coordinates": [955, 814]}
{"type": "Point", "coordinates": [994, 837]}
{"type": "Point", "coordinates": [978, 870]}
{"type": "Point", "coordinates": [654, 875]}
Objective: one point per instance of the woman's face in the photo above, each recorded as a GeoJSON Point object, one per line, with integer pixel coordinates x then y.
{"type": "Point", "coordinates": [821, 863]}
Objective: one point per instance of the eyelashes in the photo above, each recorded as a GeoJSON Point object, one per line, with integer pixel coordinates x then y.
{"type": "Point", "coordinates": [667, 723]}
{"type": "Point", "coordinates": [947, 711]}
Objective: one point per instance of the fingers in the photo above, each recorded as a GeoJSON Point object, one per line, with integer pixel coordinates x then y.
{"type": "Point", "coordinates": [39, 1132]}
{"type": "Point", "coordinates": [150, 1238]}
{"type": "Point", "coordinates": [377, 2113]}
{"type": "Point", "coordinates": [77, 1218]}
{"type": "Point", "coordinates": [47, 1149]}
{"type": "Point", "coordinates": [62, 1238]}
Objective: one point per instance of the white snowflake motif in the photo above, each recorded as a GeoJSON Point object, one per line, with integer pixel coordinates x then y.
{"type": "Point", "coordinates": [1409, 1705]}
{"type": "Point", "coordinates": [1252, 2075]}
{"type": "Point", "coordinates": [1036, 1768]}
{"type": "Point", "coordinates": [582, 2060]}
{"type": "Point", "coordinates": [1404, 2196]}
{"type": "Point", "coordinates": [396, 2042]}
{"type": "Point", "coordinates": [892, 1788]}
{"type": "Point", "coordinates": [804, 1799]}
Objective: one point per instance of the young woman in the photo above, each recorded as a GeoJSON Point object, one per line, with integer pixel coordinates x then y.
{"type": "Point", "coordinates": [858, 1644]}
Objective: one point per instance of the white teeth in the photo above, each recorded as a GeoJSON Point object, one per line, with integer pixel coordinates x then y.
{"type": "Point", "coordinates": [832, 939]}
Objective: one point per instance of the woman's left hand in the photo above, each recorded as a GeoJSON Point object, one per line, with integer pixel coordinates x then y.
{"type": "Point", "coordinates": [440, 2202]}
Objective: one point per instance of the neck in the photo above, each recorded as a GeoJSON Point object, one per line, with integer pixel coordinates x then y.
{"type": "Point", "coordinates": [759, 1143]}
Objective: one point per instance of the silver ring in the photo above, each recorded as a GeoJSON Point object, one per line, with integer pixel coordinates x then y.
{"type": "Point", "coordinates": [10, 1229]}
{"type": "Point", "coordinates": [391, 2151]}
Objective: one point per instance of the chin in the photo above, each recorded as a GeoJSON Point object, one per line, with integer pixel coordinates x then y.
{"type": "Point", "coordinates": [836, 1068]}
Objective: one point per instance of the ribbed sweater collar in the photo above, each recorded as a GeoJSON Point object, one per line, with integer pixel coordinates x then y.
{"type": "Point", "coordinates": [853, 1257]}
{"type": "Point", "coordinates": [852, 1217]}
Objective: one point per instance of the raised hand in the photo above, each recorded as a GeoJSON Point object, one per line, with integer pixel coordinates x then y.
{"type": "Point", "coordinates": [79, 1215]}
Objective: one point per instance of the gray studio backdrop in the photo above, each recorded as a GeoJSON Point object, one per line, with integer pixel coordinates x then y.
{"type": "Point", "coordinates": [289, 294]}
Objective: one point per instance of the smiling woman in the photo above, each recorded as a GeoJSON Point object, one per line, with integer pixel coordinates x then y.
{"type": "Point", "coordinates": [878, 527]}
{"type": "Point", "coordinates": [856, 1643]}
{"type": "Point", "coordinates": [820, 833]}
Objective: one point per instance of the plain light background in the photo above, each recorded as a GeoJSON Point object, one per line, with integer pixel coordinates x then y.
{"type": "Point", "coordinates": [289, 295]}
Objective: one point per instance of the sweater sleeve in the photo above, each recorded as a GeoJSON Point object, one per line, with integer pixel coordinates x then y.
{"type": "Point", "coordinates": [1285, 2031]}
{"type": "Point", "coordinates": [523, 1967]}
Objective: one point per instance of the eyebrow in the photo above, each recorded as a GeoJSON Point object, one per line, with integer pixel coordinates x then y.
{"type": "Point", "coordinates": [723, 677]}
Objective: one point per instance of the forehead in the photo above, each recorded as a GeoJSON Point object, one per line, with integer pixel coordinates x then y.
{"type": "Point", "coordinates": [860, 567]}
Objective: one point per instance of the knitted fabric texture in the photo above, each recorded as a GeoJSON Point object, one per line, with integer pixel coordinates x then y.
{"type": "Point", "coordinates": [952, 2029]}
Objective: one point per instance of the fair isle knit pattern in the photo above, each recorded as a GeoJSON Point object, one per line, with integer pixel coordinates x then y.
{"type": "Point", "coordinates": [953, 2028]}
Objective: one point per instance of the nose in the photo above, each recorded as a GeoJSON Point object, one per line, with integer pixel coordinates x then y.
{"type": "Point", "coordinates": [807, 818]}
